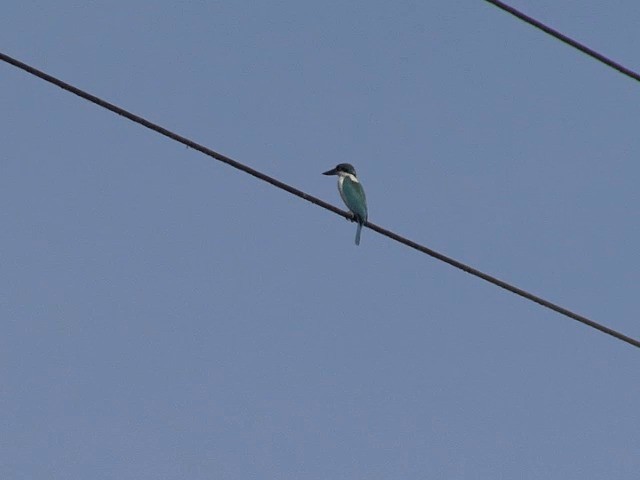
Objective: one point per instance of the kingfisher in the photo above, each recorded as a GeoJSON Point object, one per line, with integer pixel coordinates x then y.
{"type": "Point", "coordinates": [352, 194]}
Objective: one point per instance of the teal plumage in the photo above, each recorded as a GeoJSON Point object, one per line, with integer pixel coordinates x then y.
{"type": "Point", "coordinates": [354, 198]}
{"type": "Point", "coordinates": [352, 194]}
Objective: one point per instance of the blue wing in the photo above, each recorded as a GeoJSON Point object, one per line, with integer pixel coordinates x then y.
{"type": "Point", "coordinates": [354, 198]}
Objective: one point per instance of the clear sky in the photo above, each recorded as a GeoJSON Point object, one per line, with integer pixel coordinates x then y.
{"type": "Point", "coordinates": [164, 316]}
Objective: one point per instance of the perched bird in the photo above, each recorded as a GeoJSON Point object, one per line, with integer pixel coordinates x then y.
{"type": "Point", "coordinates": [352, 194]}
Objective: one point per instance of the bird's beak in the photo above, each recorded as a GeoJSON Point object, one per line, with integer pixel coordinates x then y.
{"type": "Point", "coordinates": [333, 171]}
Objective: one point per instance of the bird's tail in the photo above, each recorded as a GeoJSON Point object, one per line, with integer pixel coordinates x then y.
{"type": "Point", "coordinates": [358, 233]}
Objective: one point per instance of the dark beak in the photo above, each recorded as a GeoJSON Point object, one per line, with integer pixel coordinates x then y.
{"type": "Point", "coordinates": [333, 171]}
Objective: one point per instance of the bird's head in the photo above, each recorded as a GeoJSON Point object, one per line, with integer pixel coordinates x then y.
{"type": "Point", "coordinates": [344, 168]}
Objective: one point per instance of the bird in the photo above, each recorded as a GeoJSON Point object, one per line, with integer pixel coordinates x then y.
{"type": "Point", "coordinates": [352, 193]}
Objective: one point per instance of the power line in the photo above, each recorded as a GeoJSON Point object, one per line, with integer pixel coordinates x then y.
{"type": "Point", "coordinates": [563, 38]}
{"type": "Point", "coordinates": [299, 193]}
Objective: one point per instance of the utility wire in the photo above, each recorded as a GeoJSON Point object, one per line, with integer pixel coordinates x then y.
{"type": "Point", "coordinates": [299, 193]}
{"type": "Point", "coordinates": [563, 38]}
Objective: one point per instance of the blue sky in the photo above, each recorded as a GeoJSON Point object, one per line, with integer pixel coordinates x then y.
{"type": "Point", "coordinates": [165, 316]}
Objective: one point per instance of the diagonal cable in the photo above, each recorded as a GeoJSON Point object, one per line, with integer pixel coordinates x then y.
{"type": "Point", "coordinates": [299, 193]}
{"type": "Point", "coordinates": [563, 38]}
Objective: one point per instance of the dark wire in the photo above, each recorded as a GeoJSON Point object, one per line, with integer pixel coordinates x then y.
{"type": "Point", "coordinates": [317, 201]}
{"type": "Point", "coordinates": [563, 38]}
